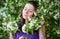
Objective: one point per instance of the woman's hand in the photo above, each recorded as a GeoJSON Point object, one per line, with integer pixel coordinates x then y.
{"type": "Point", "coordinates": [42, 34]}
{"type": "Point", "coordinates": [10, 34]}
{"type": "Point", "coordinates": [8, 25]}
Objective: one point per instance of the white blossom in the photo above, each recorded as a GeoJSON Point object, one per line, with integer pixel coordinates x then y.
{"type": "Point", "coordinates": [58, 31]}
{"type": "Point", "coordinates": [31, 25]}
{"type": "Point", "coordinates": [22, 37]}
{"type": "Point", "coordinates": [4, 23]}
{"type": "Point", "coordinates": [29, 18]}
{"type": "Point", "coordinates": [23, 28]}
{"type": "Point", "coordinates": [55, 17]}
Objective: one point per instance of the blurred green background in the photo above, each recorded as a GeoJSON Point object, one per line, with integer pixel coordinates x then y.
{"type": "Point", "coordinates": [9, 10]}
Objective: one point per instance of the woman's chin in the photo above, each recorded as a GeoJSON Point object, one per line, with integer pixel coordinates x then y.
{"type": "Point", "coordinates": [25, 18]}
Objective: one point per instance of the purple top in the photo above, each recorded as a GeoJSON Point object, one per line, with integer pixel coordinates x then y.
{"type": "Point", "coordinates": [17, 35]}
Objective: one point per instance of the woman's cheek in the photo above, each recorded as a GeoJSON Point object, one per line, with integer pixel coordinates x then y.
{"type": "Point", "coordinates": [30, 14]}
{"type": "Point", "coordinates": [23, 13]}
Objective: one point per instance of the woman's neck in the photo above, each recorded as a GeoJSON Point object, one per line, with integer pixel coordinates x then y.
{"type": "Point", "coordinates": [26, 20]}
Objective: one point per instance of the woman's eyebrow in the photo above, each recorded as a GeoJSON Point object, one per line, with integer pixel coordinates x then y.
{"type": "Point", "coordinates": [29, 9]}
{"type": "Point", "coordinates": [26, 8]}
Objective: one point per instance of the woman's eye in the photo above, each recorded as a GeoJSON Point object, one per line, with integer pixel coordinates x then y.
{"type": "Point", "coordinates": [25, 9]}
{"type": "Point", "coordinates": [30, 11]}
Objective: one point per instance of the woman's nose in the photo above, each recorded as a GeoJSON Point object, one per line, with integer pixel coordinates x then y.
{"type": "Point", "coordinates": [26, 12]}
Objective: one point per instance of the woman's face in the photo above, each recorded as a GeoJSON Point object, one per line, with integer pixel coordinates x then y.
{"type": "Point", "coordinates": [28, 11]}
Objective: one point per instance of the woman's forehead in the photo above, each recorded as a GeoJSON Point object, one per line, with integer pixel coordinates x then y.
{"type": "Point", "coordinates": [29, 6]}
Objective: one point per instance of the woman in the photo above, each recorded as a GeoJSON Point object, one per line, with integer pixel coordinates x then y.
{"type": "Point", "coordinates": [28, 11]}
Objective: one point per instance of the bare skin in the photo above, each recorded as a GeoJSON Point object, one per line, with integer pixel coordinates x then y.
{"type": "Point", "coordinates": [28, 11]}
{"type": "Point", "coordinates": [42, 34]}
